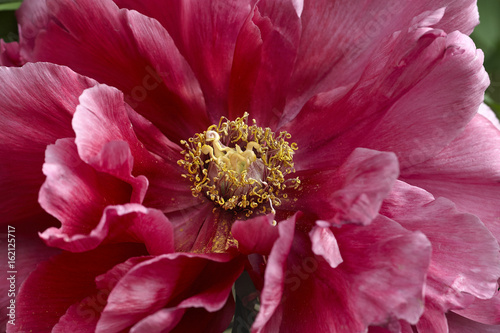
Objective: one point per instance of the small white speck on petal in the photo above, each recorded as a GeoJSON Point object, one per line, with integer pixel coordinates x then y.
{"type": "Point", "coordinates": [299, 6]}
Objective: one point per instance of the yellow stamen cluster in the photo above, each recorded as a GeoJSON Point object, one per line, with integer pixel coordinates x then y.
{"type": "Point", "coordinates": [240, 167]}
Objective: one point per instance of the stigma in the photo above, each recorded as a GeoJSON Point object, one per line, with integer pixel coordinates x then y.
{"type": "Point", "coordinates": [241, 168]}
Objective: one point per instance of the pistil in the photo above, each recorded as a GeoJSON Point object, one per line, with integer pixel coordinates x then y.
{"type": "Point", "coordinates": [249, 181]}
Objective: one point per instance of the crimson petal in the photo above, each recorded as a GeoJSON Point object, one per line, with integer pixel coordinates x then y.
{"type": "Point", "coordinates": [76, 193]}
{"type": "Point", "coordinates": [101, 118]}
{"type": "Point", "coordinates": [193, 281]}
{"type": "Point", "coordinates": [268, 41]}
{"type": "Point", "coordinates": [127, 223]}
{"type": "Point", "coordinates": [352, 193]}
{"type": "Point", "coordinates": [486, 311]}
{"type": "Point", "coordinates": [23, 251]}
{"type": "Point", "coordinates": [381, 279]}
{"type": "Point", "coordinates": [9, 54]}
{"type": "Point", "coordinates": [396, 117]}
{"type": "Point", "coordinates": [36, 105]}
{"type": "Point", "coordinates": [256, 235]}
{"type": "Point", "coordinates": [205, 33]}
{"type": "Point", "coordinates": [60, 282]}
{"type": "Point", "coordinates": [466, 172]}
{"type": "Point", "coordinates": [101, 41]}
{"type": "Point", "coordinates": [465, 259]}
{"type": "Point", "coordinates": [459, 324]}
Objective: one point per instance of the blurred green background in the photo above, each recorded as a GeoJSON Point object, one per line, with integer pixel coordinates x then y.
{"type": "Point", "coordinates": [486, 36]}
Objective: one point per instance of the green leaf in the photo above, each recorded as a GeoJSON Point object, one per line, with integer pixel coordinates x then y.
{"type": "Point", "coordinates": [492, 104]}
{"type": "Point", "coordinates": [247, 304]}
{"type": "Point", "coordinates": [487, 37]}
{"type": "Point", "coordinates": [8, 26]}
{"type": "Point", "coordinates": [9, 5]}
{"type": "Point", "coordinates": [487, 33]}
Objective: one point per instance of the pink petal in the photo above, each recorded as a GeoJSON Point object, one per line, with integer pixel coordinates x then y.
{"type": "Point", "coordinates": [183, 89]}
{"type": "Point", "coordinates": [152, 138]}
{"type": "Point", "coordinates": [459, 15]}
{"type": "Point", "coordinates": [485, 111]}
{"type": "Point", "coordinates": [336, 54]}
{"type": "Point", "coordinates": [326, 55]}
{"type": "Point", "coordinates": [187, 320]}
{"type": "Point", "coordinates": [74, 192]}
{"type": "Point", "coordinates": [127, 223]}
{"type": "Point", "coordinates": [36, 104]}
{"type": "Point", "coordinates": [351, 194]}
{"type": "Point", "coordinates": [9, 54]}
{"type": "Point", "coordinates": [205, 33]}
{"type": "Point", "coordinates": [465, 258]}
{"type": "Point", "coordinates": [349, 35]}
{"type": "Point", "coordinates": [199, 320]}
{"type": "Point", "coordinates": [110, 279]}
{"type": "Point", "coordinates": [167, 191]}
{"type": "Point", "coordinates": [100, 119]}
{"type": "Point", "coordinates": [433, 320]}
{"type": "Point", "coordinates": [443, 113]}
{"type": "Point", "coordinates": [325, 245]}
{"type": "Point", "coordinates": [274, 275]}
{"type": "Point", "coordinates": [163, 320]}
{"type": "Point", "coordinates": [460, 324]}
{"type": "Point", "coordinates": [406, 111]}
{"type": "Point", "coordinates": [84, 315]}
{"type": "Point", "coordinates": [103, 42]}
{"type": "Point", "coordinates": [381, 279]}
{"type": "Point", "coordinates": [214, 233]}
{"type": "Point", "coordinates": [403, 59]}
{"type": "Point", "coordinates": [467, 172]}
{"type": "Point", "coordinates": [187, 224]}
{"type": "Point", "coordinates": [28, 250]}
{"type": "Point", "coordinates": [454, 105]}
{"type": "Point", "coordinates": [63, 280]}
{"type": "Point", "coordinates": [32, 18]}
{"type": "Point", "coordinates": [486, 311]}
{"type": "Point", "coordinates": [266, 49]}
{"type": "Point", "coordinates": [201, 281]}
{"type": "Point", "coordinates": [256, 235]}
{"type": "Point", "coordinates": [394, 327]}
{"type": "Point", "coordinates": [154, 230]}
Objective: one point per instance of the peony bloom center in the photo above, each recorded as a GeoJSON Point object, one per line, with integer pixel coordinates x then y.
{"type": "Point", "coordinates": [241, 168]}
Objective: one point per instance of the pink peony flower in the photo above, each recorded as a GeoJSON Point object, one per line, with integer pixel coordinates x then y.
{"type": "Point", "coordinates": [332, 150]}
